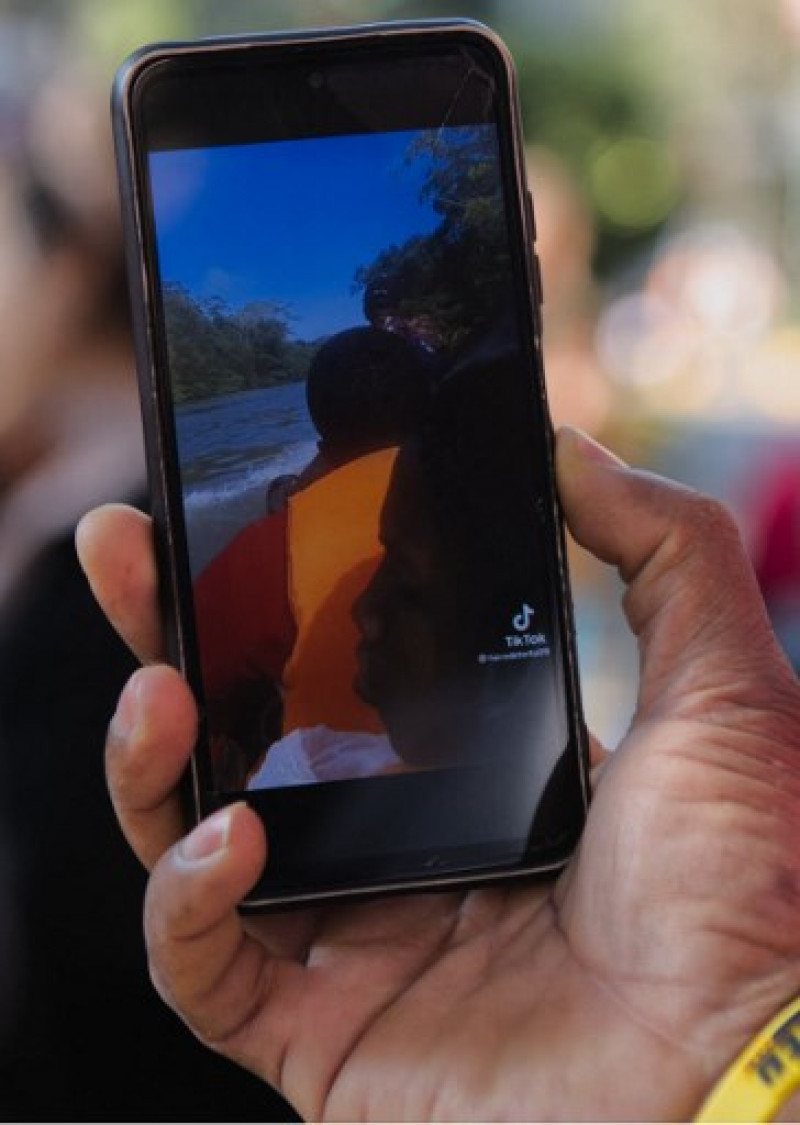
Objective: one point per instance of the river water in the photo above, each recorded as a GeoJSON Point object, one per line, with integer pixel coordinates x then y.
{"type": "Point", "coordinates": [230, 448]}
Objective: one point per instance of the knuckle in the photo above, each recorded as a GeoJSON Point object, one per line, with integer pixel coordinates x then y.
{"type": "Point", "coordinates": [708, 517]}
{"type": "Point", "coordinates": [704, 523]}
{"type": "Point", "coordinates": [698, 558]}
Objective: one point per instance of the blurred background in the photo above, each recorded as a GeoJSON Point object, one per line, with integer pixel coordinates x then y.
{"type": "Point", "coordinates": [664, 158]}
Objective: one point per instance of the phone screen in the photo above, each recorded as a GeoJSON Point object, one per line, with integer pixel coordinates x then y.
{"type": "Point", "coordinates": [356, 442]}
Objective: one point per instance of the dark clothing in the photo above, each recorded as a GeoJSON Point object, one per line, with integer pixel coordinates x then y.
{"type": "Point", "coordinates": [89, 1039]}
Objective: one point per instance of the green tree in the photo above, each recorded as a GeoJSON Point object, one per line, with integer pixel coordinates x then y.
{"type": "Point", "coordinates": [216, 350]}
{"type": "Point", "coordinates": [458, 276]}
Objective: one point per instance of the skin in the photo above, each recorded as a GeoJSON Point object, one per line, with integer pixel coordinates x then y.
{"type": "Point", "coordinates": [618, 991]}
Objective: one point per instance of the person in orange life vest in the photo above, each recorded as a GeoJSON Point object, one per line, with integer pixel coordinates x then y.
{"type": "Point", "coordinates": [409, 655]}
{"type": "Point", "coordinates": [408, 572]}
{"type": "Point", "coordinates": [272, 610]}
{"type": "Point", "coordinates": [456, 558]}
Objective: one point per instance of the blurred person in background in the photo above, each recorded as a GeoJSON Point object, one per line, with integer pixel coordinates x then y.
{"type": "Point", "coordinates": [577, 387]}
{"type": "Point", "coordinates": [772, 519]}
{"type": "Point", "coordinates": [578, 390]}
{"type": "Point", "coordinates": [86, 1037]}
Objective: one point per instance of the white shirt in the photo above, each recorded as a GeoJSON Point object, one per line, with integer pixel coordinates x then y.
{"type": "Point", "coordinates": [307, 756]}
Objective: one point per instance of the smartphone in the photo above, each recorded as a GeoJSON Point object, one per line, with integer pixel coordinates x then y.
{"type": "Point", "coordinates": [336, 303]}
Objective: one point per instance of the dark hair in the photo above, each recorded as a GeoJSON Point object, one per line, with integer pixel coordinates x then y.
{"type": "Point", "coordinates": [367, 389]}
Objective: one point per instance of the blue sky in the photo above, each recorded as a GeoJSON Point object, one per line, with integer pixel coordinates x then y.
{"type": "Point", "coordinates": [288, 221]}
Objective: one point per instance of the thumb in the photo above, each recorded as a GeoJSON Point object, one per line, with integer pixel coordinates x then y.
{"type": "Point", "coordinates": [692, 598]}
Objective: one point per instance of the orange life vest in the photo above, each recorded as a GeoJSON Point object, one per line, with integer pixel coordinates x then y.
{"type": "Point", "coordinates": [334, 550]}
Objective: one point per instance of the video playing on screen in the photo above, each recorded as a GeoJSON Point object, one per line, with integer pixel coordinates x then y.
{"type": "Point", "coordinates": [351, 415]}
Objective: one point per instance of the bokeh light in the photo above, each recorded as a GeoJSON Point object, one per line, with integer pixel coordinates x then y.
{"type": "Point", "coordinates": [634, 182]}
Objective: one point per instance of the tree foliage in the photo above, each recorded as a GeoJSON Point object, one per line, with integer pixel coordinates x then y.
{"type": "Point", "coordinates": [214, 349]}
{"type": "Point", "coordinates": [459, 275]}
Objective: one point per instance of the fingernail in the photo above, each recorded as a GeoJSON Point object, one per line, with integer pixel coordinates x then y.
{"type": "Point", "coordinates": [592, 450]}
{"type": "Point", "coordinates": [209, 839]}
{"type": "Point", "coordinates": [80, 535]}
{"type": "Point", "coordinates": [126, 715]}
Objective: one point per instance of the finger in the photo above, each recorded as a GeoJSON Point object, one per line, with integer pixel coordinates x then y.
{"type": "Point", "coordinates": [597, 751]}
{"type": "Point", "coordinates": [598, 756]}
{"type": "Point", "coordinates": [692, 598]}
{"type": "Point", "coordinates": [150, 739]}
{"type": "Point", "coordinates": [115, 549]}
{"type": "Point", "coordinates": [202, 960]}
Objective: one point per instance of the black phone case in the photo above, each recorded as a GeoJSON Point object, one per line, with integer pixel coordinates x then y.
{"type": "Point", "coordinates": [161, 472]}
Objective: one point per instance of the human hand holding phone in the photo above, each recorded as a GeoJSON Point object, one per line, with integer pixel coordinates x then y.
{"type": "Point", "coordinates": [618, 991]}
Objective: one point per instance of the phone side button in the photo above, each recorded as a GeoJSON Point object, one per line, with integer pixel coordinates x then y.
{"type": "Point", "coordinates": [537, 279]}
{"type": "Point", "coordinates": [531, 214]}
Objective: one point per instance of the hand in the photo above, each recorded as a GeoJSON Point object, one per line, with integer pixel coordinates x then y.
{"type": "Point", "coordinates": [619, 991]}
